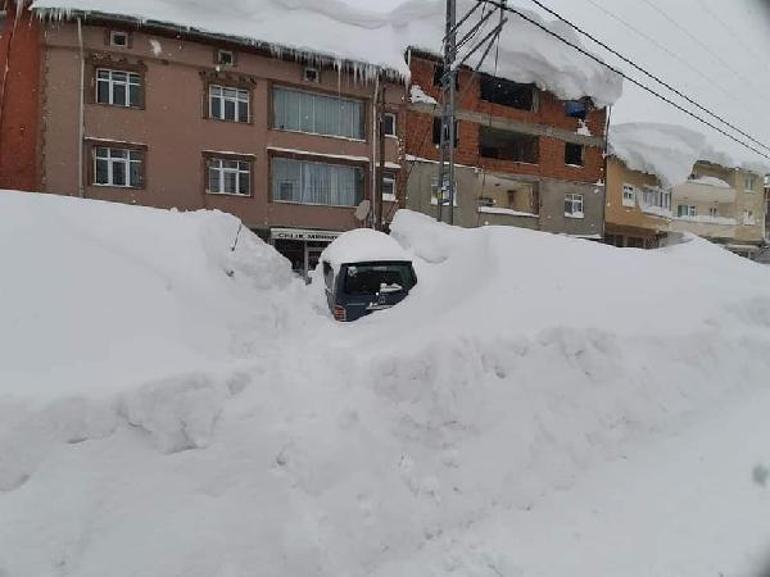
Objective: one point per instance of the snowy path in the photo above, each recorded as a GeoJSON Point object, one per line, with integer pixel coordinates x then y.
{"type": "Point", "coordinates": [647, 514]}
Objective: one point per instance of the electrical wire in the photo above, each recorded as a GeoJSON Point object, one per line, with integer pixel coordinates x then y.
{"type": "Point", "coordinates": [630, 79]}
{"type": "Point", "coordinates": [648, 73]}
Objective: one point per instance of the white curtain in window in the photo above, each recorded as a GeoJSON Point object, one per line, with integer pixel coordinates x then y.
{"type": "Point", "coordinates": [317, 113]}
{"type": "Point", "coordinates": [316, 182]}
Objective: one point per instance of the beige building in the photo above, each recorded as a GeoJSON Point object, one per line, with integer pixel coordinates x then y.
{"type": "Point", "coordinates": [725, 205]}
{"type": "Point", "coordinates": [638, 208]}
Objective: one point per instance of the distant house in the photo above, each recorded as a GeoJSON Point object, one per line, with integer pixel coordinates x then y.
{"type": "Point", "coordinates": [725, 205]}
{"type": "Point", "coordinates": [524, 157]}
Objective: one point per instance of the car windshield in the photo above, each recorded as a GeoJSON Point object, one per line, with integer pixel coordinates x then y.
{"type": "Point", "coordinates": [369, 279]}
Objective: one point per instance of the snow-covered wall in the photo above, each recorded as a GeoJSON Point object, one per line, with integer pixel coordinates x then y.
{"type": "Point", "coordinates": [374, 39]}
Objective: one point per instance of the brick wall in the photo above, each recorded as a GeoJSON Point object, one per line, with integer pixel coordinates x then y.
{"type": "Point", "coordinates": [20, 57]}
{"type": "Point", "coordinates": [549, 112]}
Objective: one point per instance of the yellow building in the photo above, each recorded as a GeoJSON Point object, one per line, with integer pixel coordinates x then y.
{"type": "Point", "coordinates": [638, 208]}
{"type": "Point", "coordinates": [724, 205]}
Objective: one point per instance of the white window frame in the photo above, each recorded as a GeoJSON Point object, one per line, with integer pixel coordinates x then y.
{"type": "Point", "coordinates": [575, 199]}
{"type": "Point", "coordinates": [241, 95]}
{"type": "Point", "coordinates": [111, 157]}
{"type": "Point", "coordinates": [748, 217]}
{"type": "Point", "coordinates": [220, 53]}
{"type": "Point", "coordinates": [131, 79]}
{"type": "Point", "coordinates": [713, 212]}
{"type": "Point", "coordinates": [315, 94]}
{"type": "Point", "coordinates": [394, 133]}
{"type": "Point", "coordinates": [217, 163]}
{"type": "Point", "coordinates": [629, 195]}
{"type": "Point", "coordinates": [692, 211]}
{"type": "Point", "coordinates": [748, 182]}
{"type": "Point", "coordinates": [118, 33]}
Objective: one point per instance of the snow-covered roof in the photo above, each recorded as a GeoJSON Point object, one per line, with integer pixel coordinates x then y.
{"type": "Point", "coordinates": [666, 151]}
{"type": "Point", "coordinates": [346, 34]}
{"type": "Point", "coordinates": [363, 245]}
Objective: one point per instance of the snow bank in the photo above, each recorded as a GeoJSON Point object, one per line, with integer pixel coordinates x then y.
{"type": "Point", "coordinates": [362, 245]}
{"type": "Point", "coordinates": [339, 32]}
{"type": "Point", "coordinates": [666, 151]}
{"type": "Point", "coordinates": [711, 181]}
{"type": "Point", "coordinates": [515, 403]}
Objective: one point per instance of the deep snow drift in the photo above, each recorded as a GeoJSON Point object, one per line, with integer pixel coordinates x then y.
{"type": "Point", "coordinates": [538, 405]}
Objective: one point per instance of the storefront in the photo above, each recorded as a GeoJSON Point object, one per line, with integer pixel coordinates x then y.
{"type": "Point", "coordinates": [301, 246]}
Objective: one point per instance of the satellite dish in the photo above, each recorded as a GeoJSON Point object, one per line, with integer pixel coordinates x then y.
{"type": "Point", "coordinates": [362, 210]}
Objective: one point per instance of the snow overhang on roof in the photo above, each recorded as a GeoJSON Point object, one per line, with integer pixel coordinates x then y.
{"type": "Point", "coordinates": [367, 42]}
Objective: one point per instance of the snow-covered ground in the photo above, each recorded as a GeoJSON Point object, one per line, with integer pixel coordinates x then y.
{"type": "Point", "coordinates": [537, 406]}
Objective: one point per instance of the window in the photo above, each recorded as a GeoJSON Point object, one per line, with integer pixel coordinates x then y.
{"type": "Point", "coordinates": [118, 167]}
{"type": "Point", "coordinates": [225, 58]}
{"type": "Point", "coordinates": [312, 75]}
{"type": "Point", "coordinates": [389, 124]}
{"type": "Point", "coordinates": [573, 154]}
{"type": "Point", "coordinates": [629, 195]}
{"type": "Point", "coordinates": [713, 212]}
{"type": "Point", "coordinates": [312, 113]}
{"type": "Point", "coordinates": [228, 176]}
{"type": "Point", "coordinates": [308, 182]}
{"type": "Point", "coordinates": [748, 217]}
{"type": "Point", "coordinates": [507, 93]}
{"type": "Point", "coordinates": [389, 187]}
{"type": "Point", "coordinates": [118, 88]}
{"type": "Point", "coordinates": [438, 75]}
{"type": "Point", "coordinates": [576, 109]}
{"type": "Point", "coordinates": [749, 180]}
{"type": "Point", "coordinates": [686, 211]}
{"type": "Point", "coordinates": [505, 145]}
{"type": "Point", "coordinates": [230, 104]}
{"type": "Point", "coordinates": [437, 131]}
{"type": "Point", "coordinates": [119, 38]}
{"type": "Point", "coordinates": [511, 195]}
{"type": "Point", "coordinates": [656, 198]}
{"type": "Point", "coordinates": [573, 205]}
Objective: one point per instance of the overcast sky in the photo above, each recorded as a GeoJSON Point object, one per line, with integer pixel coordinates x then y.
{"type": "Point", "coordinates": [715, 51]}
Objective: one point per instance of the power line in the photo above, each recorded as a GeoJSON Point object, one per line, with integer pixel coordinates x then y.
{"type": "Point", "coordinates": [628, 78]}
{"type": "Point", "coordinates": [649, 74]}
{"type": "Point", "coordinates": [698, 41]}
{"type": "Point", "coordinates": [660, 46]}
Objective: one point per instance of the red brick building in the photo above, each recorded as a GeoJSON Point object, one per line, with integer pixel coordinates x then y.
{"type": "Point", "coordinates": [525, 157]}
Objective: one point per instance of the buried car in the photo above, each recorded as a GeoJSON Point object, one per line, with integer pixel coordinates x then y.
{"type": "Point", "coordinates": [365, 271]}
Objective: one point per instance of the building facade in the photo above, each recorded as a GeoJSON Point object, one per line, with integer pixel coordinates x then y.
{"type": "Point", "coordinates": [111, 110]}
{"type": "Point", "coordinates": [722, 204]}
{"type": "Point", "coordinates": [638, 209]}
{"type": "Point", "coordinates": [725, 205]}
{"type": "Point", "coordinates": [524, 157]}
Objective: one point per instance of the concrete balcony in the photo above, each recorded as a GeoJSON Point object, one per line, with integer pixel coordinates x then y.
{"type": "Point", "coordinates": [706, 226]}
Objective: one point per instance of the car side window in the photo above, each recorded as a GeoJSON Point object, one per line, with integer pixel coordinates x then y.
{"type": "Point", "coordinates": [328, 275]}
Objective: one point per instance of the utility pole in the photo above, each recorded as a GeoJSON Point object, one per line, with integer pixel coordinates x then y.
{"type": "Point", "coordinates": [447, 193]}
{"type": "Point", "coordinates": [446, 167]}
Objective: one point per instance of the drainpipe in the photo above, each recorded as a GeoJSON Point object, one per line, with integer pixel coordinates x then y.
{"type": "Point", "coordinates": [81, 112]}
{"type": "Point", "coordinates": [375, 117]}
